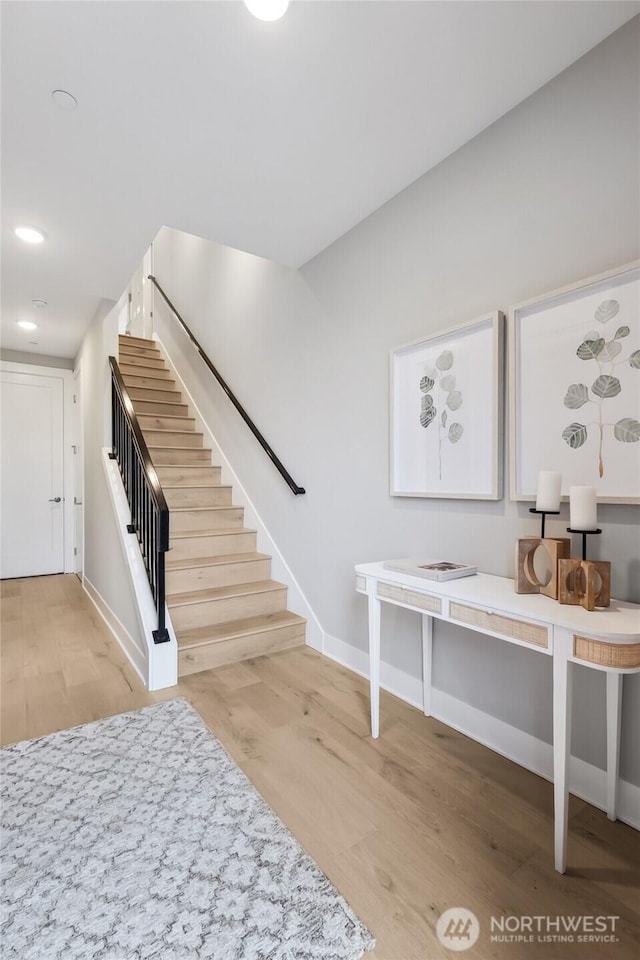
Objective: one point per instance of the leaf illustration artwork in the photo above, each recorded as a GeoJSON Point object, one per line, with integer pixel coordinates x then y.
{"type": "Point", "coordinates": [605, 353]}
{"type": "Point", "coordinates": [438, 380]}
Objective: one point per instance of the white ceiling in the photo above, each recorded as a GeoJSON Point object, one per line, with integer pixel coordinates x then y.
{"type": "Point", "coordinates": [275, 138]}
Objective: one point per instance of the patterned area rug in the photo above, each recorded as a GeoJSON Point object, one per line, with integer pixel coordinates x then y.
{"type": "Point", "coordinates": [139, 838]}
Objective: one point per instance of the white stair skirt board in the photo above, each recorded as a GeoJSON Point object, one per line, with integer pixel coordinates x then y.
{"type": "Point", "coordinates": [157, 663]}
{"type": "Point", "coordinates": [585, 780]}
{"type": "Point", "coordinates": [297, 601]}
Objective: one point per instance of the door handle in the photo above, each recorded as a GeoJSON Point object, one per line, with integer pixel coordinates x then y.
{"type": "Point", "coordinates": [55, 499]}
{"type": "Point", "coordinates": [77, 503]}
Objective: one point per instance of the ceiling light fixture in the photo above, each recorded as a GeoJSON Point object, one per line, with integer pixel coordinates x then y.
{"type": "Point", "coordinates": [64, 99]}
{"type": "Point", "coordinates": [40, 304]}
{"type": "Point", "coordinates": [27, 325]}
{"type": "Point", "coordinates": [267, 9]}
{"type": "Point", "coordinates": [29, 234]}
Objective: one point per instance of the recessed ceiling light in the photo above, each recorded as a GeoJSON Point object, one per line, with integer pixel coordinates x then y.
{"type": "Point", "coordinates": [29, 234]}
{"type": "Point", "coordinates": [267, 9]}
{"type": "Point", "coordinates": [40, 304]}
{"type": "Point", "coordinates": [64, 99]}
{"type": "Point", "coordinates": [27, 325]}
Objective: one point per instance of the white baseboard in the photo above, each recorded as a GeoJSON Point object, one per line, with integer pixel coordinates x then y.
{"type": "Point", "coordinates": [117, 628]}
{"type": "Point", "coordinates": [297, 601]}
{"type": "Point", "coordinates": [397, 682]}
{"type": "Point", "coordinates": [585, 780]}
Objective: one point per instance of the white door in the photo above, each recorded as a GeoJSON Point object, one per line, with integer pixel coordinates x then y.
{"type": "Point", "coordinates": [31, 475]}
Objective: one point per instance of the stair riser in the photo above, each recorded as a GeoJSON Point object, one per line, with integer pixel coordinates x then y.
{"type": "Point", "coordinates": [189, 476]}
{"type": "Point", "coordinates": [134, 351]}
{"type": "Point", "coordinates": [138, 341]}
{"type": "Point", "coordinates": [135, 370]}
{"type": "Point", "coordinates": [153, 409]}
{"type": "Point", "coordinates": [148, 422]}
{"type": "Point", "coordinates": [151, 394]}
{"type": "Point", "coordinates": [226, 519]}
{"type": "Point", "coordinates": [157, 438]}
{"type": "Point", "coordinates": [231, 608]}
{"type": "Point", "coordinates": [154, 383]}
{"type": "Point", "coordinates": [192, 455]}
{"type": "Point", "coordinates": [217, 575]}
{"type": "Point", "coordinates": [133, 360]}
{"type": "Point", "coordinates": [197, 496]}
{"type": "Point", "coordinates": [210, 655]}
{"type": "Point", "coordinates": [215, 546]}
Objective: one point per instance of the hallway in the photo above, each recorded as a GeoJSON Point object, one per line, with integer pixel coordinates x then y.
{"type": "Point", "coordinates": [406, 826]}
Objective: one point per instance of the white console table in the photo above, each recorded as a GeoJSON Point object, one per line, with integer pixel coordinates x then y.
{"type": "Point", "coordinates": [607, 640]}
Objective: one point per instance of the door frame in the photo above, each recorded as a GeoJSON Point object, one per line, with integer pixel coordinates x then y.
{"type": "Point", "coordinates": [67, 454]}
{"type": "Point", "coordinates": [77, 463]}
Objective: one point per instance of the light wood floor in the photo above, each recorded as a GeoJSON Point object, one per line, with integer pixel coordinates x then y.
{"type": "Point", "coordinates": [419, 821]}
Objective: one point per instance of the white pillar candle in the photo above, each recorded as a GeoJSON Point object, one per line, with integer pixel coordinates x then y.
{"type": "Point", "coordinates": [583, 508]}
{"type": "Point", "coordinates": [548, 496]}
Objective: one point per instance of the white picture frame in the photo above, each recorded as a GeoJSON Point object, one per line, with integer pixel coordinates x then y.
{"type": "Point", "coordinates": [446, 413]}
{"type": "Point", "coordinates": [582, 343]}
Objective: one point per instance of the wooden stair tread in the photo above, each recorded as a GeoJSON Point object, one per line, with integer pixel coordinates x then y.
{"type": "Point", "coordinates": [213, 561]}
{"type": "Point", "coordinates": [192, 486]}
{"type": "Point", "coordinates": [159, 403]}
{"type": "Point", "coordinates": [169, 430]}
{"type": "Point", "coordinates": [172, 416]}
{"type": "Point", "coordinates": [213, 506]}
{"type": "Point", "coordinates": [125, 338]}
{"type": "Point", "coordinates": [218, 532]}
{"type": "Point", "coordinates": [199, 636]}
{"type": "Point", "coordinates": [145, 371]}
{"type": "Point", "coordinates": [224, 593]}
{"type": "Point", "coordinates": [157, 446]}
{"type": "Point", "coordinates": [157, 390]}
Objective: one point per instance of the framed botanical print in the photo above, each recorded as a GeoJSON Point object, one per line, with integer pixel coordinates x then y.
{"type": "Point", "coordinates": [575, 387]}
{"type": "Point", "coordinates": [446, 413]}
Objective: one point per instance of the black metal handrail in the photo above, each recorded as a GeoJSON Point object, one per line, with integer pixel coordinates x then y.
{"type": "Point", "coordinates": [149, 510]}
{"type": "Point", "coordinates": [282, 470]}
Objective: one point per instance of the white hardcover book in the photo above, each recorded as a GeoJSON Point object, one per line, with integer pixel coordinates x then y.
{"type": "Point", "coordinates": [431, 569]}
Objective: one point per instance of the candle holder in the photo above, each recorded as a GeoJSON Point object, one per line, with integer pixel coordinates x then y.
{"type": "Point", "coordinates": [544, 514]}
{"type": "Point", "coordinates": [526, 578]}
{"type": "Point", "coordinates": [578, 579]}
{"type": "Point", "coordinates": [585, 534]}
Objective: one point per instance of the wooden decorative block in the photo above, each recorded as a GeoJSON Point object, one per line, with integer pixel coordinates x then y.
{"type": "Point", "coordinates": [526, 578]}
{"type": "Point", "coordinates": [578, 583]}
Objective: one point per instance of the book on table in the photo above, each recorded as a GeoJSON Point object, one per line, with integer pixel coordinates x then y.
{"type": "Point", "coordinates": [431, 569]}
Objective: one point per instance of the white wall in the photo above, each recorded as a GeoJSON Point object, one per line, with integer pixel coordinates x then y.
{"type": "Point", "coordinates": [104, 564]}
{"type": "Point", "coordinates": [548, 195]}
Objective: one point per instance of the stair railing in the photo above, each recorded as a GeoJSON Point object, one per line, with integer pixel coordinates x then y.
{"type": "Point", "coordinates": [284, 473]}
{"type": "Point", "coordinates": [149, 510]}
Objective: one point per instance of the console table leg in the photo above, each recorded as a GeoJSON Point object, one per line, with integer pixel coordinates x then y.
{"type": "Point", "coordinates": [374, 664]}
{"type": "Point", "coordinates": [562, 699]}
{"type": "Point", "coordinates": [614, 716]}
{"type": "Point", "coordinates": [427, 644]}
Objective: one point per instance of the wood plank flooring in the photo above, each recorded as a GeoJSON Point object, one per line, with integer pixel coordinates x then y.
{"type": "Point", "coordinates": [409, 825]}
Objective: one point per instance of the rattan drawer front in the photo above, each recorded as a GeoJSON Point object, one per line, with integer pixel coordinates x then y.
{"type": "Point", "coordinates": [424, 601]}
{"type": "Point", "coordinates": [361, 583]}
{"type": "Point", "coordinates": [624, 656]}
{"type": "Point", "coordinates": [497, 623]}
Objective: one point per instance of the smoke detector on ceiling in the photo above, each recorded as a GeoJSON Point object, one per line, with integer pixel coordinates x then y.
{"type": "Point", "coordinates": [64, 99]}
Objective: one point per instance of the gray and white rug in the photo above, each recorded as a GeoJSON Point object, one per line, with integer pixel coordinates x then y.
{"type": "Point", "coordinates": [139, 838]}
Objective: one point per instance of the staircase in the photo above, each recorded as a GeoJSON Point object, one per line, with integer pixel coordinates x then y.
{"type": "Point", "coordinates": [223, 603]}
